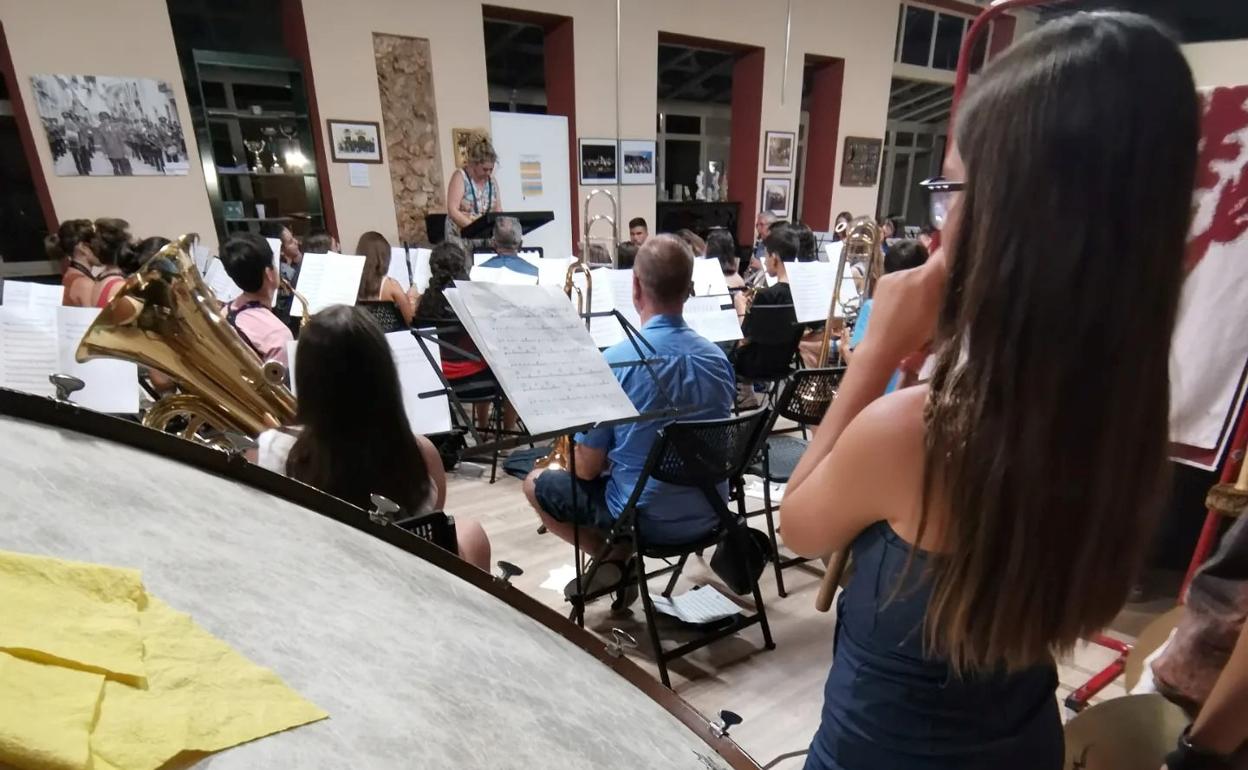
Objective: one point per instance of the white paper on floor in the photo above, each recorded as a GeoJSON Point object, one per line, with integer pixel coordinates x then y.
{"type": "Point", "coordinates": [754, 488]}
{"type": "Point", "coordinates": [559, 578]}
{"type": "Point", "coordinates": [698, 605]}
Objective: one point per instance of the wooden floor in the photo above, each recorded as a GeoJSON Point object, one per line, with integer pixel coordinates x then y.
{"type": "Point", "coordinates": [779, 692]}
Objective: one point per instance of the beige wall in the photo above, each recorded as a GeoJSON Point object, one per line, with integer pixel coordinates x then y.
{"type": "Point", "coordinates": [118, 37]}
{"type": "Point", "coordinates": [860, 31]}
{"type": "Point", "coordinates": [1219, 64]}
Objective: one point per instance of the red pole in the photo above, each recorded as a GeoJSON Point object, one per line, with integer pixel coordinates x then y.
{"type": "Point", "coordinates": [1209, 534]}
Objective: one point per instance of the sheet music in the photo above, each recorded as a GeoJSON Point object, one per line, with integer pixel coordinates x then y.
{"type": "Point", "coordinates": [200, 255]}
{"type": "Point", "coordinates": [552, 272]}
{"type": "Point", "coordinates": [622, 296]}
{"type": "Point", "coordinates": [27, 294]}
{"type": "Point", "coordinates": [416, 376]}
{"type": "Point", "coordinates": [532, 257]}
{"type": "Point", "coordinates": [708, 278]}
{"type": "Point", "coordinates": [328, 279]}
{"type": "Point", "coordinates": [112, 385]}
{"type": "Point", "coordinates": [220, 282]}
{"type": "Point", "coordinates": [698, 605]}
{"type": "Point", "coordinates": [811, 284]}
{"type": "Point", "coordinates": [542, 355]}
{"type": "Point", "coordinates": [832, 251]}
{"type": "Point", "coordinates": [399, 269]}
{"type": "Point", "coordinates": [292, 348]}
{"type": "Point", "coordinates": [605, 331]}
{"type": "Point", "coordinates": [714, 318]}
{"type": "Point", "coordinates": [420, 268]}
{"type": "Point", "coordinates": [28, 349]}
{"type": "Point", "coordinates": [501, 275]}
{"type": "Point", "coordinates": [275, 245]}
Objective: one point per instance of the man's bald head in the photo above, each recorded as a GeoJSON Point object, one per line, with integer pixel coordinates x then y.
{"type": "Point", "coordinates": [664, 270]}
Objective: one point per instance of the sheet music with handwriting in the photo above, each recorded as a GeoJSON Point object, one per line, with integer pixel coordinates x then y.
{"type": "Point", "coordinates": [112, 385]}
{"type": "Point", "coordinates": [420, 268]}
{"type": "Point", "coordinates": [399, 270]}
{"type": "Point", "coordinates": [28, 349]}
{"type": "Point", "coordinates": [542, 355]}
{"type": "Point", "coordinates": [416, 376]}
{"type": "Point", "coordinates": [27, 294]}
{"type": "Point", "coordinates": [220, 282]}
{"type": "Point", "coordinates": [811, 284]}
{"type": "Point", "coordinates": [708, 278]}
{"type": "Point", "coordinates": [328, 279]}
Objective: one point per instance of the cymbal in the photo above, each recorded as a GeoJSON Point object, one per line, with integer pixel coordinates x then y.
{"type": "Point", "coordinates": [1134, 732]}
{"type": "Point", "coordinates": [1153, 636]}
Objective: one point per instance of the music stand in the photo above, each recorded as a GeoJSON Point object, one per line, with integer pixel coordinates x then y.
{"type": "Point", "coordinates": [483, 226]}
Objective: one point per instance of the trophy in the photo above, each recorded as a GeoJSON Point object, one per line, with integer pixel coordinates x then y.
{"type": "Point", "coordinates": [270, 144]}
{"type": "Point", "coordinates": [253, 147]}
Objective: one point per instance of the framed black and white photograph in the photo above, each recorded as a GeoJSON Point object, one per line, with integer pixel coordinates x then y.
{"type": "Point", "coordinates": [599, 161]}
{"type": "Point", "coordinates": [779, 151]}
{"type": "Point", "coordinates": [638, 158]}
{"type": "Point", "coordinates": [354, 141]}
{"type": "Point", "coordinates": [776, 196]}
{"type": "Point", "coordinates": [99, 125]}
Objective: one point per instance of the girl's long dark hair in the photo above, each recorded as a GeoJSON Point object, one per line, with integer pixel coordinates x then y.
{"type": "Point", "coordinates": [1047, 414]}
{"type": "Point", "coordinates": [447, 264]}
{"type": "Point", "coordinates": [355, 438]}
{"type": "Point", "coordinates": [375, 249]}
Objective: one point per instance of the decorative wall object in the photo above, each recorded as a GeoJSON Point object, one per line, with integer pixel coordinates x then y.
{"type": "Point", "coordinates": [776, 196]}
{"type": "Point", "coordinates": [861, 165]}
{"type": "Point", "coordinates": [354, 141]}
{"type": "Point", "coordinates": [110, 126]}
{"type": "Point", "coordinates": [779, 152]}
{"type": "Point", "coordinates": [459, 138]}
{"type": "Point", "coordinates": [599, 161]}
{"type": "Point", "coordinates": [639, 161]}
{"type": "Point", "coordinates": [408, 111]}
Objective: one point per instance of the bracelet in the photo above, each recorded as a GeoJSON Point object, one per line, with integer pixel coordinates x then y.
{"type": "Point", "coordinates": [1187, 757]}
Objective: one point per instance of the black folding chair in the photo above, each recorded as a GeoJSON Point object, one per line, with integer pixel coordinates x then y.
{"type": "Point", "coordinates": [385, 313]}
{"type": "Point", "coordinates": [700, 454]}
{"type": "Point", "coordinates": [804, 400]}
{"type": "Point", "coordinates": [772, 350]}
{"type": "Point", "coordinates": [434, 526]}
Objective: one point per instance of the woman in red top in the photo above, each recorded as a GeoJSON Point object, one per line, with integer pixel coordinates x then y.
{"type": "Point", "coordinates": [71, 247]}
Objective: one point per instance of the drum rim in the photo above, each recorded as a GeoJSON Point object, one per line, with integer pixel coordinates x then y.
{"type": "Point", "coordinates": [62, 414]}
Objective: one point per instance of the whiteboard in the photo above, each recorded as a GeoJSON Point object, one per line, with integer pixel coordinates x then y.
{"type": "Point", "coordinates": [535, 143]}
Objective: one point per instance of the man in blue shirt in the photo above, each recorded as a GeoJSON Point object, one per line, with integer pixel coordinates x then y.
{"type": "Point", "coordinates": [696, 375]}
{"type": "Point", "coordinates": [508, 238]}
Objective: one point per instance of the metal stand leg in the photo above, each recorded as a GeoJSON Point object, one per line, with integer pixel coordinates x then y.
{"type": "Point", "coordinates": [671, 583]}
{"type": "Point", "coordinates": [771, 523]}
{"type": "Point", "coordinates": [651, 625]}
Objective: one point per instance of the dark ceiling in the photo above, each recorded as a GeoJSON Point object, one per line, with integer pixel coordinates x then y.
{"type": "Point", "coordinates": [1193, 20]}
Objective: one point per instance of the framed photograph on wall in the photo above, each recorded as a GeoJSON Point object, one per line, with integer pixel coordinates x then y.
{"type": "Point", "coordinates": [599, 161]}
{"type": "Point", "coordinates": [776, 196]}
{"type": "Point", "coordinates": [354, 141]}
{"type": "Point", "coordinates": [778, 155]}
{"type": "Point", "coordinates": [861, 165]}
{"type": "Point", "coordinates": [637, 157]}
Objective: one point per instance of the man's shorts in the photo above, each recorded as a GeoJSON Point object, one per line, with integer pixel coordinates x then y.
{"type": "Point", "coordinates": [554, 495]}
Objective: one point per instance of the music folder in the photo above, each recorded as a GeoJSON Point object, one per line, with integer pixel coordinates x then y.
{"type": "Point", "coordinates": [483, 227]}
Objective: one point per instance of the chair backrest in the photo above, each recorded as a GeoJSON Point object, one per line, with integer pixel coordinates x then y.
{"type": "Point", "coordinates": [436, 527]}
{"type": "Point", "coordinates": [772, 324]}
{"type": "Point", "coordinates": [703, 453]}
{"type": "Point", "coordinates": [808, 394]}
{"type": "Point", "coordinates": [385, 313]}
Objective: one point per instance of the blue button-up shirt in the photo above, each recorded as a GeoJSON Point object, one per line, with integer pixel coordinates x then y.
{"type": "Point", "coordinates": [511, 262]}
{"type": "Point", "coordinates": [696, 374]}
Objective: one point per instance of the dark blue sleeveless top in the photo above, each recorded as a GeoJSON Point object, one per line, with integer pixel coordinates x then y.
{"type": "Point", "coordinates": [887, 705]}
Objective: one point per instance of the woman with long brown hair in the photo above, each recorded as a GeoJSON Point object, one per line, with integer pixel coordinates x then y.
{"type": "Point", "coordinates": [999, 514]}
{"type": "Point", "coordinates": [71, 247]}
{"type": "Point", "coordinates": [375, 283]}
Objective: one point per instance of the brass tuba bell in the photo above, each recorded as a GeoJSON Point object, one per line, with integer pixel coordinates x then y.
{"type": "Point", "coordinates": [165, 317]}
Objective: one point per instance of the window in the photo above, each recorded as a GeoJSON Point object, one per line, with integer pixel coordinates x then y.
{"type": "Point", "coordinates": [683, 124]}
{"type": "Point", "coordinates": [949, 32]}
{"type": "Point", "coordinates": [916, 36]}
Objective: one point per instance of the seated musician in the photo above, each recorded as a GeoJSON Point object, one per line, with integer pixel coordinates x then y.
{"type": "Point", "coordinates": [756, 356]}
{"type": "Point", "coordinates": [354, 439]}
{"type": "Point", "coordinates": [508, 238]}
{"type": "Point", "coordinates": [248, 261]}
{"type": "Point", "coordinates": [697, 376]}
{"type": "Point", "coordinates": [376, 285]}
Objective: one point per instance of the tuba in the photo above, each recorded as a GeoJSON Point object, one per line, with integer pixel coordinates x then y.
{"type": "Point", "coordinates": [165, 317]}
{"type": "Point", "coordinates": [557, 458]}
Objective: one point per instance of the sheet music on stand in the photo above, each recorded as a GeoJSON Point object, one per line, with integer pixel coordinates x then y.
{"type": "Point", "coordinates": [200, 254]}
{"type": "Point", "coordinates": [708, 278]}
{"type": "Point", "coordinates": [36, 342]}
{"type": "Point", "coordinates": [26, 294]}
{"type": "Point", "coordinates": [832, 252]}
{"type": "Point", "coordinates": [715, 318]}
{"type": "Point", "coordinates": [811, 284]}
{"type": "Point", "coordinates": [421, 272]}
{"type": "Point", "coordinates": [552, 271]}
{"type": "Point", "coordinates": [399, 270]}
{"type": "Point", "coordinates": [532, 257]}
{"type": "Point", "coordinates": [221, 284]}
{"type": "Point", "coordinates": [541, 354]}
{"type": "Point", "coordinates": [501, 275]}
{"type": "Point", "coordinates": [328, 279]}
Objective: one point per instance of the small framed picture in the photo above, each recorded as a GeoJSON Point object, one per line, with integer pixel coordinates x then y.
{"type": "Point", "coordinates": [599, 161]}
{"type": "Point", "coordinates": [776, 196]}
{"type": "Point", "coordinates": [637, 157]}
{"type": "Point", "coordinates": [779, 152]}
{"type": "Point", "coordinates": [459, 139]}
{"type": "Point", "coordinates": [354, 141]}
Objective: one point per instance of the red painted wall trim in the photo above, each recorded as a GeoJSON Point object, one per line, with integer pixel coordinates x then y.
{"type": "Point", "coordinates": [822, 140]}
{"type": "Point", "coordinates": [560, 64]}
{"type": "Point", "coordinates": [26, 135]}
{"type": "Point", "coordinates": [295, 38]}
{"type": "Point", "coordinates": [747, 102]}
{"type": "Point", "coordinates": [673, 38]}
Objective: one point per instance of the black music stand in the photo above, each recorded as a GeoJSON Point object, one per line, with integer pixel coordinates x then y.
{"type": "Point", "coordinates": [483, 226]}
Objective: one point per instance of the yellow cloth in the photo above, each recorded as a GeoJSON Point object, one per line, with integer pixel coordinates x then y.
{"type": "Point", "coordinates": [202, 696]}
{"type": "Point", "coordinates": [46, 713]}
{"type": "Point", "coordinates": [82, 616]}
